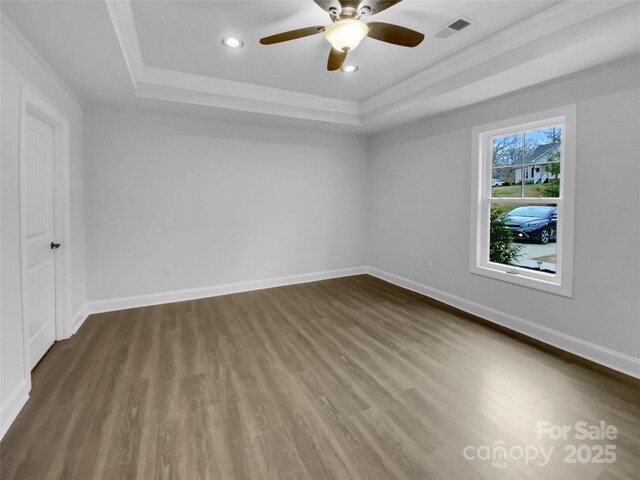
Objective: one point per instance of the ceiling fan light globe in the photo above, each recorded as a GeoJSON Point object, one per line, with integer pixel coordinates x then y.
{"type": "Point", "coordinates": [346, 34]}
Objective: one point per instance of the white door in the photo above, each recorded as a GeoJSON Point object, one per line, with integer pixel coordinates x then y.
{"type": "Point", "coordinates": [40, 295]}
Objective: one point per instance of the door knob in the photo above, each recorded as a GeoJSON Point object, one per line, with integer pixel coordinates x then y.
{"type": "Point", "coordinates": [55, 246]}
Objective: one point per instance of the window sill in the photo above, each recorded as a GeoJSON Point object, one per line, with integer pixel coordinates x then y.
{"type": "Point", "coordinates": [552, 285]}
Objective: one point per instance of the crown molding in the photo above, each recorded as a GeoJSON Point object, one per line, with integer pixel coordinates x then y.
{"type": "Point", "coordinates": [9, 25]}
{"type": "Point", "coordinates": [556, 18]}
{"type": "Point", "coordinates": [580, 47]}
{"type": "Point", "coordinates": [442, 86]}
{"type": "Point", "coordinates": [165, 84]}
{"type": "Point", "coordinates": [184, 87]}
{"type": "Point", "coordinates": [121, 15]}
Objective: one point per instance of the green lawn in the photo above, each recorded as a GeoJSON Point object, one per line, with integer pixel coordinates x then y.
{"type": "Point", "coordinates": [514, 191]}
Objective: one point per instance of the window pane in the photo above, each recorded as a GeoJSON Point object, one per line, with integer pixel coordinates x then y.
{"type": "Point", "coordinates": [524, 236]}
{"type": "Point", "coordinates": [542, 162]}
{"type": "Point", "coordinates": [506, 182]}
{"type": "Point", "coordinates": [542, 180]}
{"type": "Point", "coordinates": [506, 151]}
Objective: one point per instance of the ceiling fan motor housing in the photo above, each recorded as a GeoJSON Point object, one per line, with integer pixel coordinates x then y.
{"type": "Point", "coordinates": [348, 12]}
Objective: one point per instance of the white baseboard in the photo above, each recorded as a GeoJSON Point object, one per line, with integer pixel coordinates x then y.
{"type": "Point", "coordinates": [14, 403]}
{"type": "Point", "coordinates": [214, 291]}
{"type": "Point", "coordinates": [616, 360]}
{"type": "Point", "coordinates": [79, 319]}
{"type": "Point", "coordinates": [604, 356]}
{"type": "Point", "coordinates": [18, 398]}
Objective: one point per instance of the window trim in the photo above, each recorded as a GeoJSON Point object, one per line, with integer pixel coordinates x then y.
{"type": "Point", "coordinates": [562, 282]}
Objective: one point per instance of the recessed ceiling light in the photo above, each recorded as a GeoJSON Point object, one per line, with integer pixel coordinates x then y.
{"type": "Point", "coordinates": [349, 69]}
{"type": "Point", "coordinates": [232, 42]}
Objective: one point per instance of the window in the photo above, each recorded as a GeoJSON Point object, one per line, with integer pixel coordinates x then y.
{"type": "Point", "coordinates": [522, 200]}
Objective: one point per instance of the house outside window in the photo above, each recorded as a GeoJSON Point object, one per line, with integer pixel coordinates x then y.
{"type": "Point", "coordinates": [523, 200]}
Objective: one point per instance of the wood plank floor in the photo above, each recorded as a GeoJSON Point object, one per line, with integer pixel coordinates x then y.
{"type": "Point", "coordinates": [350, 378]}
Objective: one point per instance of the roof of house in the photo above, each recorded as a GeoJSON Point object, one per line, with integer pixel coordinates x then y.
{"type": "Point", "coordinates": [542, 153]}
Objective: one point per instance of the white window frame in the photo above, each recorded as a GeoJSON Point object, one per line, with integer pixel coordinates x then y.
{"type": "Point", "coordinates": [561, 282]}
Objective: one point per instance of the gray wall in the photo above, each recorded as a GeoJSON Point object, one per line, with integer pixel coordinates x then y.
{"type": "Point", "coordinates": [420, 208]}
{"type": "Point", "coordinates": [248, 203]}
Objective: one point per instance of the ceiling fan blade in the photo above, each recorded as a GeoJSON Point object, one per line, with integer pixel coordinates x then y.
{"type": "Point", "coordinates": [291, 35]}
{"type": "Point", "coordinates": [336, 59]}
{"type": "Point", "coordinates": [378, 6]}
{"type": "Point", "coordinates": [387, 32]}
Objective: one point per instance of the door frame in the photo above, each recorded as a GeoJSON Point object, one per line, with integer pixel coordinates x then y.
{"type": "Point", "coordinates": [34, 103]}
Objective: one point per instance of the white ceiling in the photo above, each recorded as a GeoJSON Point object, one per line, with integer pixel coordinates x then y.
{"type": "Point", "coordinates": [168, 55]}
{"type": "Point", "coordinates": [78, 40]}
{"type": "Point", "coordinates": [185, 36]}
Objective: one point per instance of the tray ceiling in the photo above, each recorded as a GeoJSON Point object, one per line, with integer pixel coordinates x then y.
{"type": "Point", "coordinates": [171, 51]}
{"type": "Point", "coordinates": [185, 36]}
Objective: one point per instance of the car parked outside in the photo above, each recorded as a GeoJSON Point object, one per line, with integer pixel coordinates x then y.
{"type": "Point", "coordinates": [533, 222]}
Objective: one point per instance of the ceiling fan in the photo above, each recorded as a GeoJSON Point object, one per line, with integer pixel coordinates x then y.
{"type": "Point", "coordinates": [347, 30]}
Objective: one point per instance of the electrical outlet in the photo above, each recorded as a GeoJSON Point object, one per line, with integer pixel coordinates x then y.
{"type": "Point", "coordinates": [168, 270]}
{"type": "Point", "coordinates": [168, 222]}
{"type": "Point", "coordinates": [324, 255]}
{"type": "Point", "coordinates": [430, 266]}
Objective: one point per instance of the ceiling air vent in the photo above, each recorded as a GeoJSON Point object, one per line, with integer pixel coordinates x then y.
{"type": "Point", "coordinates": [452, 28]}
